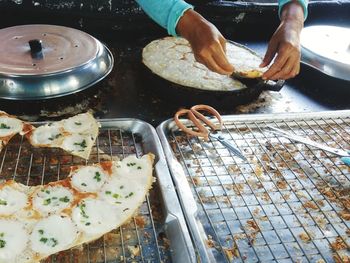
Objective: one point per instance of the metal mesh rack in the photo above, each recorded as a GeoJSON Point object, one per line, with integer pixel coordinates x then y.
{"type": "Point", "coordinates": [287, 203]}
{"type": "Point", "coordinates": [143, 239]}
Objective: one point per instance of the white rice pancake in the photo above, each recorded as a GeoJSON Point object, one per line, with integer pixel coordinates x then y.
{"type": "Point", "coordinates": [11, 200]}
{"type": "Point", "coordinates": [75, 135]}
{"type": "Point", "coordinates": [53, 234]}
{"type": "Point", "coordinates": [49, 200]}
{"type": "Point", "coordinates": [172, 59]}
{"type": "Point", "coordinates": [38, 221]}
{"type": "Point", "coordinates": [13, 240]}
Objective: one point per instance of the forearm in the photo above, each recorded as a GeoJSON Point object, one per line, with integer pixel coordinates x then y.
{"type": "Point", "coordinates": [293, 12]}
{"type": "Point", "coordinates": [302, 3]}
{"type": "Point", "coordinates": [165, 12]}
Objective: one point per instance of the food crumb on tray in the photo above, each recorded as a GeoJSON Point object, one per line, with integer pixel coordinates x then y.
{"type": "Point", "coordinates": [134, 251]}
{"type": "Point", "coordinates": [345, 214]}
{"type": "Point", "coordinates": [341, 258]}
{"type": "Point", "coordinates": [310, 204]}
{"type": "Point", "coordinates": [305, 237]}
{"type": "Point", "coordinates": [232, 252]}
{"type": "Point", "coordinates": [140, 221]}
{"type": "Point", "coordinates": [338, 244]}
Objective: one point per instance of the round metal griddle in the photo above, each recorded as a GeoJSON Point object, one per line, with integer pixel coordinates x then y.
{"type": "Point", "coordinates": [48, 61]}
{"type": "Point", "coordinates": [327, 49]}
{"type": "Point", "coordinates": [185, 96]}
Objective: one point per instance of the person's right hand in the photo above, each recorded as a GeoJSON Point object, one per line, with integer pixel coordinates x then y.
{"type": "Point", "coordinates": [208, 45]}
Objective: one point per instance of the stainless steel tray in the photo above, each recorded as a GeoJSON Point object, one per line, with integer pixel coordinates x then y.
{"type": "Point", "coordinates": [158, 230]}
{"type": "Point", "coordinates": [288, 203]}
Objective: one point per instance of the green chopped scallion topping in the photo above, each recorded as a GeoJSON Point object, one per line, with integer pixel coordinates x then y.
{"type": "Point", "coordinates": [53, 137]}
{"type": "Point", "coordinates": [43, 239]}
{"type": "Point", "coordinates": [82, 211]}
{"type": "Point", "coordinates": [129, 195]}
{"type": "Point", "coordinates": [97, 177]}
{"type": "Point", "coordinates": [4, 126]}
{"type": "Point", "coordinates": [81, 144]}
{"type": "Point", "coordinates": [54, 242]}
{"type": "Point", "coordinates": [2, 243]}
{"type": "Point", "coordinates": [64, 199]}
{"type": "Point", "coordinates": [47, 201]}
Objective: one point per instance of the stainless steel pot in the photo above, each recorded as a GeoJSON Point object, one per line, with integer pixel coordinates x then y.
{"type": "Point", "coordinates": [48, 61]}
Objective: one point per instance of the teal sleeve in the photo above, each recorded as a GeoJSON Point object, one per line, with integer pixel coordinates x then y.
{"type": "Point", "coordinates": [303, 3]}
{"type": "Point", "coordinates": [165, 12]}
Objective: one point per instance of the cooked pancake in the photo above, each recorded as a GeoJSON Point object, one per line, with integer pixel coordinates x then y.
{"type": "Point", "coordinates": [75, 135]}
{"type": "Point", "coordinates": [172, 59]}
{"type": "Point", "coordinates": [38, 221]}
{"type": "Point", "coordinates": [9, 127]}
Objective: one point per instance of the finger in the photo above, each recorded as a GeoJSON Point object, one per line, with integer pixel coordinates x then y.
{"type": "Point", "coordinates": [221, 60]}
{"type": "Point", "coordinates": [291, 68]}
{"type": "Point", "coordinates": [223, 43]}
{"type": "Point", "coordinates": [287, 70]}
{"type": "Point", "coordinates": [270, 54]}
{"type": "Point", "coordinates": [276, 66]}
{"type": "Point", "coordinates": [209, 62]}
{"type": "Point", "coordinates": [213, 66]}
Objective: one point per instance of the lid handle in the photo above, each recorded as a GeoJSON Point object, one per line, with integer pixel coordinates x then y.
{"type": "Point", "coordinates": [36, 48]}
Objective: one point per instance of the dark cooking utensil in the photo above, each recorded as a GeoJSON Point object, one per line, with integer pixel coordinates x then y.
{"type": "Point", "coordinates": [188, 96]}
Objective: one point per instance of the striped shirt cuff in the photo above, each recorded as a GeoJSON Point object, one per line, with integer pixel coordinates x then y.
{"type": "Point", "coordinates": [177, 11]}
{"type": "Point", "coordinates": [303, 3]}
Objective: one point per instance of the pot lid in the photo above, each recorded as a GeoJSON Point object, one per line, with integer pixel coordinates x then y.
{"type": "Point", "coordinates": [45, 61]}
{"type": "Point", "coordinates": [61, 49]}
{"type": "Point", "coordinates": [327, 48]}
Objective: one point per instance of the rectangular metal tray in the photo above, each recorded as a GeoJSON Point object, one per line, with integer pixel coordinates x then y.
{"type": "Point", "coordinates": [158, 231]}
{"type": "Point", "coordinates": [287, 203]}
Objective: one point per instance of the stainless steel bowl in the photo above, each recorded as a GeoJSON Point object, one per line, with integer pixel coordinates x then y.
{"type": "Point", "coordinates": [327, 49]}
{"type": "Point", "coordinates": [48, 61]}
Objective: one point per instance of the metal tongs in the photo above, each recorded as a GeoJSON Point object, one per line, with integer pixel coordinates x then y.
{"type": "Point", "coordinates": [344, 154]}
{"type": "Point", "coordinates": [197, 118]}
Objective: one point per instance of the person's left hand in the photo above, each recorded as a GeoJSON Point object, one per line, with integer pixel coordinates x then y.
{"type": "Point", "coordinates": [285, 45]}
{"type": "Point", "coordinates": [208, 44]}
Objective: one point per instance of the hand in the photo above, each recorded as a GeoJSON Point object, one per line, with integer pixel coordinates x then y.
{"type": "Point", "coordinates": [208, 45]}
{"type": "Point", "coordinates": [285, 43]}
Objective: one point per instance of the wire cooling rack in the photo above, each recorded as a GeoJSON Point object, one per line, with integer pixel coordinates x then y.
{"type": "Point", "coordinates": [141, 240]}
{"type": "Point", "coordinates": [287, 203]}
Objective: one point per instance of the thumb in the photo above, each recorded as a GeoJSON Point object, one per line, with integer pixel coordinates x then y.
{"type": "Point", "coordinates": [270, 53]}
